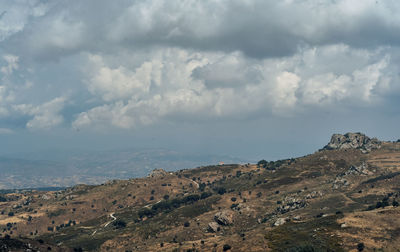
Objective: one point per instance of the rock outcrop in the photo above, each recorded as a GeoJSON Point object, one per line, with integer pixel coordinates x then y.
{"type": "Point", "coordinates": [353, 141]}
{"type": "Point", "coordinates": [213, 227]}
{"type": "Point", "coordinates": [224, 218]}
{"type": "Point", "coordinates": [158, 173]}
{"type": "Point", "coordinates": [280, 221]}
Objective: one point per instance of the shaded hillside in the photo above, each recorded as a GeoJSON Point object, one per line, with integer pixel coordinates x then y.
{"type": "Point", "coordinates": [337, 199]}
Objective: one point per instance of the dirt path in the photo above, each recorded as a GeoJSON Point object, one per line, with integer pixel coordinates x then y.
{"type": "Point", "coordinates": [149, 205]}
{"type": "Point", "coordinates": [192, 181]}
{"type": "Point", "coordinates": [108, 223]}
{"type": "Point", "coordinates": [113, 217]}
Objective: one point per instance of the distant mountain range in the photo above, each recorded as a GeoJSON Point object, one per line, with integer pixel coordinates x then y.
{"type": "Point", "coordinates": [61, 169]}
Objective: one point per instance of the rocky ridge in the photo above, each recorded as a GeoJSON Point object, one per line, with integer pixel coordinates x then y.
{"type": "Point", "coordinates": [353, 141]}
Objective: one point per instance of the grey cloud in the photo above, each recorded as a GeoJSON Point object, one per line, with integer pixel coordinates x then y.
{"type": "Point", "coordinates": [259, 29]}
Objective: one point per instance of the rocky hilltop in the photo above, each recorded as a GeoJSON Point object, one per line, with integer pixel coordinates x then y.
{"type": "Point", "coordinates": [353, 141]}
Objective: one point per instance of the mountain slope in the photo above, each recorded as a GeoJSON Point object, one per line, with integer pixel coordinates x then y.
{"type": "Point", "coordinates": [337, 199]}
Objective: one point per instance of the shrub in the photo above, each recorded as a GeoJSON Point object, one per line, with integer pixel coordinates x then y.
{"type": "Point", "coordinates": [226, 247]}
{"type": "Point", "coordinates": [233, 199]}
{"type": "Point", "coordinates": [262, 163]}
{"type": "Point", "coordinates": [119, 224]}
{"type": "Point", "coordinates": [221, 190]}
{"type": "Point", "coordinates": [234, 206]}
{"type": "Point", "coordinates": [186, 224]}
{"type": "Point", "coordinates": [205, 195]}
{"type": "Point", "coordinates": [11, 214]}
{"type": "Point", "coordinates": [202, 186]}
{"type": "Point", "coordinates": [166, 197]}
{"type": "Point", "coordinates": [360, 246]}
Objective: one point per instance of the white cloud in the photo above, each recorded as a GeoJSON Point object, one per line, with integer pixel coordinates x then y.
{"type": "Point", "coordinates": [284, 92]}
{"type": "Point", "coordinates": [45, 116]}
{"type": "Point", "coordinates": [178, 83]}
{"type": "Point", "coordinates": [121, 83]}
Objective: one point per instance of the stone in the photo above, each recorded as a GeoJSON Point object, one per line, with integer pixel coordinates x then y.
{"type": "Point", "coordinates": [213, 227]}
{"type": "Point", "coordinates": [358, 170]}
{"type": "Point", "coordinates": [224, 218]}
{"type": "Point", "coordinates": [158, 173]}
{"type": "Point", "coordinates": [291, 203]}
{"type": "Point", "coordinates": [45, 197]}
{"type": "Point", "coordinates": [280, 221]}
{"type": "Point", "coordinates": [353, 141]}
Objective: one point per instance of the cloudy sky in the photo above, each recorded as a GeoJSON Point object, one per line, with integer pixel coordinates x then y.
{"type": "Point", "coordinates": [240, 77]}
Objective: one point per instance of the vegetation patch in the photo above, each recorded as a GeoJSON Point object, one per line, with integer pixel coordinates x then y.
{"type": "Point", "coordinates": [56, 213]}
{"type": "Point", "coordinates": [169, 205]}
{"type": "Point", "coordinates": [314, 235]}
{"type": "Point", "coordinates": [382, 177]}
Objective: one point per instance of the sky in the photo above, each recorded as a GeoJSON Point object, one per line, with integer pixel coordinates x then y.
{"type": "Point", "coordinates": [253, 79]}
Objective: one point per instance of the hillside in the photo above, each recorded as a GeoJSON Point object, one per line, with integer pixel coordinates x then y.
{"type": "Point", "coordinates": [344, 197]}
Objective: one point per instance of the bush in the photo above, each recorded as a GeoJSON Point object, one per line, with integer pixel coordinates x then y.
{"type": "Point", "coordinates": [226, 247]}
{"type": "Point", "coordinates": [262, 163]}
{"type": "Point", "coordinates": [186, 224]}
{"type": "Point", "coordinates": [202, 186]}
{"type": "Point", "coordinates": [166, 197]}
{"type": "Point", "coordinates": [11, 214]}
{"type": "Point", "coordinates": [360, 246]}
{"type": "Point", "coordinates": [220, 190]}
{"type": "Point", "coordinates": [205, 195]}
{"type": "Point", "coordinates": [119, 224]}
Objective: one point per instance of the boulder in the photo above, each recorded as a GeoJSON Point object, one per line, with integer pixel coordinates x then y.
{"type": "Point", "coordinates": [224, 218]}
{"type": "Point", "coordinates": [213, 227]}
{"type": "Point", "coordinates": [280, 221]}
{"type": "Point", "coordinates": [358, 170]}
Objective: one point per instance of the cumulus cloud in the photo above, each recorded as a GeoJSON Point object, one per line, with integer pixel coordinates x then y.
{"type": "Point", "coordinates": [44, 116]}
{"type": "Point", "coordinates": [194, 85]}
{"type": "Point", "coordinates": [137, 63]}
